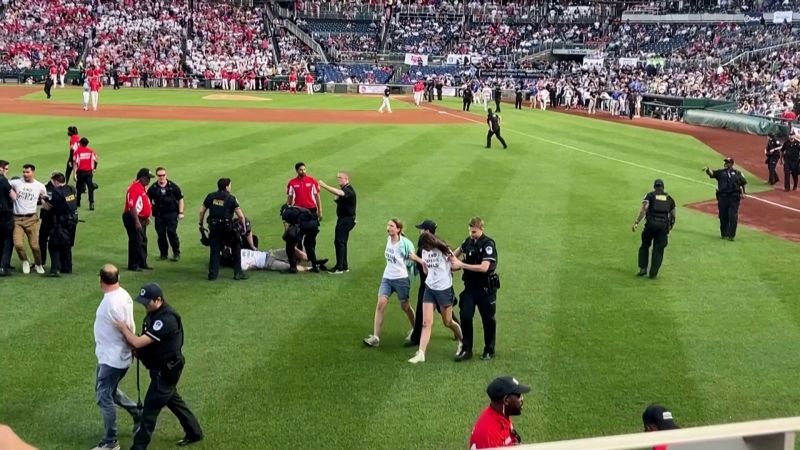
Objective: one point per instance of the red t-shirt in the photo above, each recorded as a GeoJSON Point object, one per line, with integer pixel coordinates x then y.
{"type": "Point", "coordinates": [292, 76]}
{"type": "Point", "coordinates": [73, 142]}
{"type": "Point", "coordinates": [492, 430]}
{"type": "Point", "coordinates": [84, 159]}
{"type": "Point", "coordinates": [303, 190]}
{"type": "Point", "coordinates": [137, 199]}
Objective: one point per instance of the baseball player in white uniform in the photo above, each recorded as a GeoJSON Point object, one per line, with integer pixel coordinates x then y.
{"type": "Point", "coordinates": [385, 104]}
{"type": "Point", "coordinates": [486, 95]}
{"type": "Point", "coordinates": [86, 95]}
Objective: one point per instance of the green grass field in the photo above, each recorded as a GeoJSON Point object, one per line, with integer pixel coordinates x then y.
{"type": "Point", "coordinates": [277, 361]}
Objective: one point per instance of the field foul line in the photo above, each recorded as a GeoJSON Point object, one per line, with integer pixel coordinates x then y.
{"type": "Point", "coordinates": [621, 161]}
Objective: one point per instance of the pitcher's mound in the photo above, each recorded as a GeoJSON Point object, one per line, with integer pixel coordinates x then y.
{"type": "Point", "coordinates": [243, 98]}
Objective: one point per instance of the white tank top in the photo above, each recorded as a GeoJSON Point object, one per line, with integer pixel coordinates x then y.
{"type": "Point", "coordinates": [395, 263]}
{"type": "Point", "coordinates": [439, 275]}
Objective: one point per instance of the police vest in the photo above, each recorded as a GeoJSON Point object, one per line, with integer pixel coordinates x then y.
{"type": "Point", "coordinates": [658, 209]}
{"type": "Point", "coordinates": [219, 209]}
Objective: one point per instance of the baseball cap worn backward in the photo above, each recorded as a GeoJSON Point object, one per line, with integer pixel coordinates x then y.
{"type": "Point", "coordinates": [149, 292]}
{"type": "Point", "coordinates": [144, 172]}
{"type": "Point", "coordinates": [506, 385]}
{"type": "Point", "coordinates": [427, 224]}
{"type": "Point", "coordinates": [659, 416]}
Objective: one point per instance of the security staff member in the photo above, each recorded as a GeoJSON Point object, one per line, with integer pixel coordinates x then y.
{"type": "Point", "coordinates": [85, 163]}
{"type": "Point", "coordinates": [493, 120]}
{"type": "Point", "coordinates": [135, 218]}
{"type": "Point", "coordinates": [730, 190]}
{"type": "Point", "coordinates": [659, 208]}
{"type": "Point", "coordinates": [160, 349]}
{"type": "Point", "coordinates": [791, 160]}
{"type": "Point", "coordinates": [300, 226]}
{"type": "Point", "coordinates": [7, 199]}
{"type": "Point", "coordinates": [345, 218]}
{"type": "Point", "coordinates": [167, 200]}
{"type": "Point", "coordinates": [63, 207]}
{"type": "Point", "coordinates": [480, 288]}
{"type": "Point", "coordinates": [518, 94]}
{"type": "Point", "coordinates": [498, 95]}
{"type": "Point", "coordinates": [221, 207]}
{"type": "Point", "coordinates": [468, 97]}
{"type": "Point", "coordinates": [772, 154]}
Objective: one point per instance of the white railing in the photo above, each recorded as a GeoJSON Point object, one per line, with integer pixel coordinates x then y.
{"type": "Point", "coordinates": [774, 434]}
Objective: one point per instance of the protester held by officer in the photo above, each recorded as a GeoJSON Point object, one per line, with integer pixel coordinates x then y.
{"type": "Point", "coordinates": [168, 209]}
{"type": "Point", "coordinates": [658, 208]}
{"type": "Point", "coordinates": [63, 208]}
{"type": "Point", "coordinates": [222, 206]}
{"type": "Point", "coordinates": [160, 349]}
{"type": "Point", "coordinates": [494, 427]}
{"type": "Point", "coordinates": [345, 219]}
{"type": "Point", "coordinates": [730, 191]}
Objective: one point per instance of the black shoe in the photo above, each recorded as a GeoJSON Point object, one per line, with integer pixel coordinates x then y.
{"type": "Point", "coordinates": [322, 262]}
{"type": "Point", "coordinates": [653, 276]}
{"type": "Point", "coordinates": [487, 356]}
{"type": "Point", "coordinates": [95, 186]}
{"type": "Point", "coordinates": [4, 273]}
{"type": "Point", "coordinates": [240, 276]}
{"type": "Point", "coordinates": [463, 356]}
{"type": "Point", "coordinates": [211, 277]}
{"type": "Point", "coordinates": [188, 440]}
{"type": "Point", "coordinates": [176, 258]}
{"type": "Point", "coordinates": [315, 269]}
{"type": "Point", "coordinates": [53, 275]}
{"type": "Point", "coordinates": [91, 206]}
{"type": "Point", "coordinates": [147, 267]}
{"type": "Point", "coordinates": [323, 267]}
{"type": "Point", "coordinates": [290, 270]}
{"type": "Point", "coordinates": [162, 258]}
{"type": "Point", "coordinates": [642, 272]}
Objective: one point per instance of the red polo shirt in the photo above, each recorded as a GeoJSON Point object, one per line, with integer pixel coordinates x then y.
{"type": "Point", "coordinates": [303, 190]}
{"type": "Point", "coordinates": [137, 199]}
{"type": "Point", "coordinates": [84, 159]}
{"type": "Point", "coordinates": [492, 430]}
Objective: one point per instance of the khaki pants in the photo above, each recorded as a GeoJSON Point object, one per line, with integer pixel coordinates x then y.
{"type": "Point", "coordinates": [27, 226]}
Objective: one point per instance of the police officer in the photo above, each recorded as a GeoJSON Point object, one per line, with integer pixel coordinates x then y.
{"type": "Point", "coordinates": [439, 87]}
{"type": "Point", "coordinates": [7, 199]}
{"type": "Point", "coordinates": [345, 218]}
{"type": "Point", "coordinates": [659, 209]}
{"type": "Point", "coordinates": [301, 226]}
{"type": "Point", "coordinates": [772, 154]}
{"type": "Point", "coordinates": [167, 200]}
{"type": "Point", "coordinates": [493, 121]}
{"type": "Point", "coordinates": [46, 221]}
{"type": "Point", "coordinates": [48, 86]}
{"type": "Point", "coordinates": [467, 96]}
{"type": "Point", "coordinates": [63, 207]}
{"type": "Point", "coordinates": [791, 160]}
{"type": "Point", "coordinates": [480, 288]}
{"type": "Point", "coordinates": [730, 190]}
{"type": "Point", "coordinates": [518, 94]}
{"type": "Point", "coordinates": [221, 207]}
{"type": "Point", "coordinates": [159, 348]}
{"type": "Point", "coordinates": [429, 89]}
{"type": "Point", "coordinates": [498, 95]}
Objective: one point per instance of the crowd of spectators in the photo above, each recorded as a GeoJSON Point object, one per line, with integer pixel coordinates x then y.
{"type": "Point", "coordinates": [344, 40]}
{"type": "Point", "coordinates": [424, 34]}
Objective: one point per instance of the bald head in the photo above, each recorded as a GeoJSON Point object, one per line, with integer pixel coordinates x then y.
{"type": "Point", "coordinates": [109, 275]}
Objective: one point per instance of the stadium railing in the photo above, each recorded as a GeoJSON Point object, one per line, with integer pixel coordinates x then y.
{"type": "Point", "coordinates": [774, 434]}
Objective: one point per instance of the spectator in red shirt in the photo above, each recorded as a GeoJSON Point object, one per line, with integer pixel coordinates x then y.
{"type": "Point", "coordinates": [303, 191]}
{"type": "Point", "coordinates": [494, 427]}
{"type": "Point", "coordinates": [136, 217]}
{"type": "Point", "coordinates": [658, 418]}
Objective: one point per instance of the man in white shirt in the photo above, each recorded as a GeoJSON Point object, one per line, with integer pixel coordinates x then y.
{"type": "Point", "coordinates": [113, 355]}
{"type": "Point", "coordinates": [26, 222]}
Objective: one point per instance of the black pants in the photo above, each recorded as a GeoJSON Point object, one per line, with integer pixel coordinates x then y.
{"type": "Point", "coordinates": [496, 105]}
{"type": "Point", "coordinates": [47, 87]}
{"type": "Point", "coordinates": [85, 181]}
{"type": "Point", "coordinates": [518, 102]}
{"type": "Point", "coordinates": [68, 171]}
{"type": "Point", "coordinates": [656, 235]}
{"type": "Point", "coordinates": [137, 243]}
{"type": "Point", "coordinates": [307, 237]}
{"type": "Point", "coordinates": [430, 95]}
{"type": "Point", "coordinates": [728, 206]}
{"type": "Point", "coordinates": [415, 335]}
{"type": "Point", "coordinates": [6, 241]}
{"type": "Point", "coordinates": [219, 238]}
{"type": "Point", "coordinates": [167, 231]}
{"type": "Point", "coordinates": [466, 105]}
{"type": "Point", "coordinates": [45, 227]}
{"type": "Point", "coordinates": [60, 247]}
{"type": "Point", "coordinates": [161, 394]}
{"type": "Point", "coordinates": [790, 169]}
{"type": "Point", "coordinates": [439, 93]}
{"type": "Point", "coordinates": [491, 133]}
{"type": "Point", "coordinates": [341, 235]}
{"type": "Point", "coordinates": [773, 174]}
{"type": "Point", "coordinates": [478, 297]}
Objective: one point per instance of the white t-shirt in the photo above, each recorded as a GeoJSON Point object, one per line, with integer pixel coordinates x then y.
{"type": "Point", "coordinates": [439, 275]}
{"type": "Point", "coordinates": [27, 195]}
{"type": "Point", "coordinates": [110, 346]}
{"type": "Point", "coordinates": [395, 263]}
{"type": "Point", "coordinates": [252, 259]}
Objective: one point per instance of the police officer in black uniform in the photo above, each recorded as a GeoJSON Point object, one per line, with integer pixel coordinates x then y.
{"type": "Point", "coordinates": [63, 206]}
{"type": "Point", "coordinates": [518, 94]}
{"type": "Point", "coordinates": [772, 153]}
{"type": "Point", "coordinates": [345, 218]}
{"type": "Point", "coordinates": [659, 209]}
{"type": "Point", "coordinates": [481, 283]}
{"type": "Point", "coordinates": [7, 198]}
{"type": "Point", "coordinates": [167, 200]}
{"type": "Point", "coordinates": [730, 190]}
{"type": "Point", "coordinates": [467, 96]}
{"type": "Point", "coordinates": [46, 221]}
{"type": "Point", "coordinates": [493, 121]}
{"type": "Point", "coordinates": [159, 348]}
{"type": "Point", "coordinates": [498, 96]}
{"type": "Point", "coordinates": [48, 86]}
{"type": "Point", "coordinates": [429, 89]}
{"type": "Point", "coordinates": [301, 226]}
{"type": "Point", "coordinates": [791, 161]}
{"type": "Point", "coordinates": [221, 207]}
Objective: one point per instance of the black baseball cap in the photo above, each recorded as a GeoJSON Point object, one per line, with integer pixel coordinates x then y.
{"type": "Point", "coordinates": [728, 160]}
{"type": "Point", "coordinates": [659, 416]}
{"type": "Point", "coordinates": [428, 225]}
{"type": "Point", "coordinates": [149, 292]}
{"type": "Point", "coordinates": [658, 182]}
{"type": "Point", "coordinates": [506, 385]}
{"type": "Point", "coordinates": [144, 172]}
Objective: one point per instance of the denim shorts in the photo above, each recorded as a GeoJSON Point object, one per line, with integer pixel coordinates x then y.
{"type": "Point", "coordinates": [443, 298]}
{"type": "Point", "coordinates": [401, 285]}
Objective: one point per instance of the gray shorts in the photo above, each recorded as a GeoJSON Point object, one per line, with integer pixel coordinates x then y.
{"type": "Point", "coordinates": [401, 285]}
{"type": "Point", "coordinates": [443, 298]}
{"type": "Point", "coordinates": [277, 260]}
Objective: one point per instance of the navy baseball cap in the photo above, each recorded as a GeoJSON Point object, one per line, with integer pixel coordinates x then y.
{"type": "Point", "coordinates": [502, 386]}
{"type": "Point", "coordinates": [428, 225]}
{"type": "Point", "coordinates": [658, 182]}
{"type": "Point", "coordinates": [659, 416]}
{"type": "Point", "coordinates": [149, 292]}
{"type": "Point", "coordinates": [728, 160]}
{"type": "Point", "coordinates": [144, 172]}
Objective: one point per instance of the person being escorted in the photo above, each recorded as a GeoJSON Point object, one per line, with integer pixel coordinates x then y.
{"type": "Point", "coordinates": [135, 218]}
{"type": "Point", "coordinates": [493, 121]}
{"type": "Point", "coordinates": [62, 206]}
{"type": "Point", "coordinates": [773, 155]}
{"type": "Point", "coordinates": [85, 163]}
{"type": "Point", "coordinates": [113, 355]}
{"type": "Point", "coordinates": [730, 191]}
{"type": "Point", "coordinates": [167, 200]}
{"type": "Point", "coordinates": [790, 153]}
{"type": "Point", "coordinates": [345, 218]}
{"type": "Point", "coordinates": [160, 349]}
{"type": "Point", "coordinates": [7, 199]}
{"type": "Point", "coordinates": [659, 209]}
{"type": "Point", "coordinates": [385, 104]}
{"type": "Point", "coordinates": [480, 288]}
{"type": "Point", "coordinates": [494, 428]}
{"type": "Point", "coordinates": [221, 206]}
{"type": "Point", "coordinates": [26, 223]}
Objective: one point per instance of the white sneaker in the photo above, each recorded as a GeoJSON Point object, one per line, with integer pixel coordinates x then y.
{"type": "Point", "coordinates": [372, 341]}
{"type": "Point", "coordinates": [26, 267]}
{"type": "Point", "coordinates": [418, 357]}
{"type": "Point", "coordinates": [459, 348]}
{"type": "Point", "coordinates": [39, 269]}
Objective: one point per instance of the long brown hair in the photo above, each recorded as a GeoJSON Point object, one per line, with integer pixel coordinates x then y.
{"type": "Point", "coordinates": [428, 242]}
{"type": "Point", "coordinates": [399, 224]}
